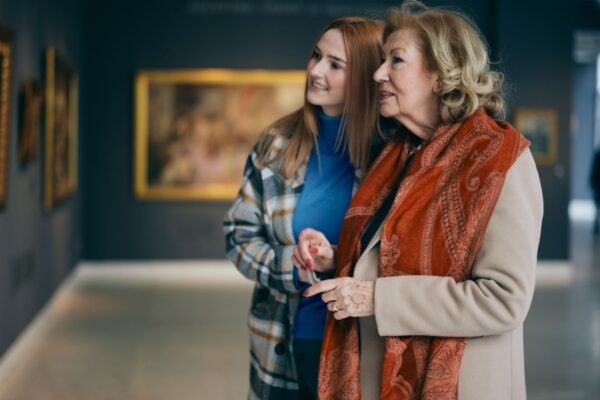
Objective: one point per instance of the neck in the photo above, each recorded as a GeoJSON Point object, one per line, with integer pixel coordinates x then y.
{"type": "Point", "coordinates": [424, 131]}
{"type": "Point", "coordinates": [328, 131]}
{"type": "Point", "coordinates": [423, 125]}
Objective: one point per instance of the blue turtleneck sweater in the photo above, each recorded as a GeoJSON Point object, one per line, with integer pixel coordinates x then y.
{"type": "Point", "coordinates": [322, 205]}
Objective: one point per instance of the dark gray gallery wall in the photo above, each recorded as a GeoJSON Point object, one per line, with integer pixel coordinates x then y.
{"type": "Point", "coordinates": [584, 103]}
{"type": "Point", "coordinates": [37, 248]}
{"type": "Point", "coordinates": [532, 38]}
{"type": "Point", "coordinates": [535, 45]}
{"type": "Point", "coordinates": [176, 35]}
{"type": "Point", "coordinates": [587, 19]}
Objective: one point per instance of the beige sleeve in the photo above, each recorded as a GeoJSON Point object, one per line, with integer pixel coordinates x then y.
{"type": "Point", "coordinates": [498, 296]}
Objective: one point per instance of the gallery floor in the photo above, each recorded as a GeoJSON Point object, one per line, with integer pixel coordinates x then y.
{"type": "Point", "coordinates": [150, 331]}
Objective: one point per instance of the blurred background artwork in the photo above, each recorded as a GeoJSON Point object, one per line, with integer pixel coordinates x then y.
{"type": "Point", "coordinates": [60, 180]}
{"type": "Point", "coordinates": [194, 129]}
{"type": "Point", "coordinates": [539, 126]}
{"type": "Point", "coordinates": [31, 99]}
{"type": "Point", "coordinates": [5, 74]}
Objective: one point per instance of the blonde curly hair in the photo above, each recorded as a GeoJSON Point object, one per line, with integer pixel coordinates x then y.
{"type": "Point", "coordinates": [454, 48]}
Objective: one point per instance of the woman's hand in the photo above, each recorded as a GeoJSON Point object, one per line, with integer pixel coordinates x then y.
{"type": "Point", "coordinates": [346, 297]}
{"type": "Point", "coordinates": [314, 252]}
{"type": "Point", "coordinates": [306, 276]}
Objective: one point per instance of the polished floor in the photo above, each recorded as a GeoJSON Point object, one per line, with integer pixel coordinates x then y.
{"type": "Point", "coordinates": [156, 331]}
{"type": "Point", "coordinates": [562, 330]}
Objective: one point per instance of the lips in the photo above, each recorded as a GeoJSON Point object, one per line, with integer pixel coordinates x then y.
{"type": "Point", "coordinates": [318, 85]}
{"type": "Point", "coordinates": [384, 94]}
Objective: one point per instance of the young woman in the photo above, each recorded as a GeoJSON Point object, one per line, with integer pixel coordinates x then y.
{"type": "Point", "coordinates": [303, 172]}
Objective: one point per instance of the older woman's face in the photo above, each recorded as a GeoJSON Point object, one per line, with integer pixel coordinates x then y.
{"type": "Point", "coordinates": [327, 73]}
{"type": "Point", "coordinates": [407, 89]}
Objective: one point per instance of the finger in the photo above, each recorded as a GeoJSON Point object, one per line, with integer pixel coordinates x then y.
{"type": "Point", "coordinates": [321, 287]}
{"type": "Point", "coordinates": [309, 233]}
{"type": "Point", "coordinates": [299, 259]}
{"type": "Point", "coordinates": [325, 252]}
{"type": "Point", "coordinates": [329, 296]}
{"type": "Point", "coordinates": [324, 256]}
{"type": "Point", "coordinates": [316, 238]}
{"type": "Point", "coordinates": [304, 253]}
{"type": "Point", "coordinates": [342, 314]}
{"type": "Point", "coordinates": [297, 263]}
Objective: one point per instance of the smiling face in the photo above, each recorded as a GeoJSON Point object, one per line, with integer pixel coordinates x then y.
{"type": "Point", "coordinates": [326, 73]}
{"type": "Point", "coordinates": [407, 89]}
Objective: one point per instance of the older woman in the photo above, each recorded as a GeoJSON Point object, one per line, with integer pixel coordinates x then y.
{"type": "Point", "coordinates": [437, 253]}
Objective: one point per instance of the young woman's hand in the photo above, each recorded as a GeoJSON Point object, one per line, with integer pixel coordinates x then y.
{"type": "Point", "coordinates": [306, 276]}
{"type": "Point", "coordinates": [314, 252]}
{"type": "Point", "coordinates": [346, 297]}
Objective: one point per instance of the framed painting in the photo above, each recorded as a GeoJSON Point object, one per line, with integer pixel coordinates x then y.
{"type": "Point", "coordinates": [31, 99]}
{"type": "Point", "coordinates": [6, 50]}
{"type": "Point", "coordinates": [60, 175]}
{"type": "Point", "coordinates": [195, 128]}
{"type": "Point", "coordinates": [540, 127]}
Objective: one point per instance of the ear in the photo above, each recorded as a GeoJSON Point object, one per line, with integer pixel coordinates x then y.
{"type": "Point", "coordinates": [437, 84]}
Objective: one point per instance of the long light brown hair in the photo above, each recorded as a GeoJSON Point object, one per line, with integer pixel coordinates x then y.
{"type": "Point", "coordinates": [362, 39]}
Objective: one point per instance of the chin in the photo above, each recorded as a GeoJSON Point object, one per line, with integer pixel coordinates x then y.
{"type": "Point", "coordinates": [385, 112]}
{"type": "Point", "coordinates": [314, 100]}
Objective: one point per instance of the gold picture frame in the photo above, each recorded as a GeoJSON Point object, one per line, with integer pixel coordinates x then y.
{"type": "Point", "coordinates": [195, 128]}
{"type": "Point", "coordinates": [540, 127]}
{"type": "Point", "coordinates": [6, 50]}
{"type": "Point", "coordinates": [61, 136]}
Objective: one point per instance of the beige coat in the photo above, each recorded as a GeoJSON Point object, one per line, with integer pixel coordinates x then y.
{"type": "Point", "coordinates": [489, 309]}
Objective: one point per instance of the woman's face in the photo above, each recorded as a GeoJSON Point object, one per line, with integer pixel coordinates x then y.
{"type": "Point", "coordinates": [407, 89]}
{"type": "Point", "coordinates": [326, 73]}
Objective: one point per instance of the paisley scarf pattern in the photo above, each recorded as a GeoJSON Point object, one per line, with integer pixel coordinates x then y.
{"type": "Point", "coordinates": [435, 227]}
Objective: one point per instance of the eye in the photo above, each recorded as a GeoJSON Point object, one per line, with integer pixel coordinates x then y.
{"type": "Point", "coordinates": [397, 60]}
{"type": "Point", "coordinates": [316, 55]}
{"type": "Point", "coordinates": [335, 66]}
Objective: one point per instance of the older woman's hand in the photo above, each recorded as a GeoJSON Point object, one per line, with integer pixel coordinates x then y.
{"type": "Point", "coordinates": [346, 297]}
{"type": "Point", "coordinates": [314, 252]}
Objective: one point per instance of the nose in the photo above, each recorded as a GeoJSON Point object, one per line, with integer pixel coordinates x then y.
{"type": "Point", "coordinates": [317, 70]}
{"type": "Point", "coordinates": [381, 75]}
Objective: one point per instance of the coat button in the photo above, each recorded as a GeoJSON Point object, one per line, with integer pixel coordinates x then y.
{"type": "Point", "coordinates": [280, 349]}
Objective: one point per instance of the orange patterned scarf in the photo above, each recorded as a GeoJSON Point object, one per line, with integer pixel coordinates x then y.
{"type": "Point", "coordinates": [434, 227]}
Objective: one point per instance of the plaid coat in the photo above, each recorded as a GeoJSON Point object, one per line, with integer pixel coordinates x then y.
{"type": "Point", "coordinates": [260, 241]}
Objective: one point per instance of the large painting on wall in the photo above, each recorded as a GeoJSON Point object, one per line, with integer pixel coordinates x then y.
{"type": "Point", "coordinates": [539, 126]}
{"type": "Point", "coordinates": [195, 128]}
{"type": "Point", "coordinates": [6, 50]}
{"type": "Point", "coordinates": [60, 177]}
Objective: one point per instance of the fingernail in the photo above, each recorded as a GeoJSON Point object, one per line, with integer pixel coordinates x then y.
{"type": "Point", "coordinates": [311, 264]}
{"type": "Point", "coordinates": [313, 250]}
{"type": "Point", "coordinates": [305, 293]}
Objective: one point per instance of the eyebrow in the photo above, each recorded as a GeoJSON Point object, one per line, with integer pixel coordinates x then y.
{"type": "Point", "coordinates": [331, 57]}
{"type": "Point", "coordinates": [397, 48]}
{"type": "Point", "coordinates": [337, 59]}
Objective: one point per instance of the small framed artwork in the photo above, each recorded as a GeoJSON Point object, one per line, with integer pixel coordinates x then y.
{"type": "Point", "coordinates": [31, 99]}
{"type": "Point", "coordinates": [540, 127]}
{"type": "Point", "coordinates": [60, 175]}
{"type": "Point", "coordinates": [6, 50]}
{"type": "Point", "coordinates": [195, 128]}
